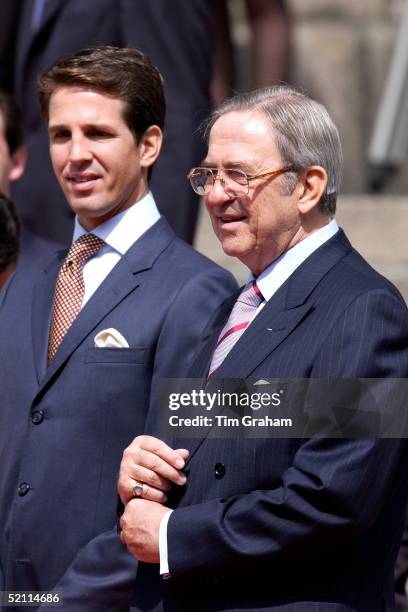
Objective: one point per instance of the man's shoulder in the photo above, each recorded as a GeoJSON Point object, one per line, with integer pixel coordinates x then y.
{"type": "Point", "coordinates": [34, 248]}
{"type": "Point", "coordinates": [196, 275]}
{"type": "Point", "coordinates": [37, 255]}
{"type": "Point", "coordinates": [193, 260]}
{"type": "Point", "coordinates": [360, 277]}
{"type": "Point", "coordinates": [338, 273]}
{"type": "Point", "coordinates": [161, 249]}
{"type": "Point", "coordinates": [181, 260]}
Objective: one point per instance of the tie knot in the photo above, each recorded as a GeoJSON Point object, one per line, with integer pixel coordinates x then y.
{"type": "Point", "coordinates": [251, 295]}
{"type": "Point", "coordinates": [83, 249]}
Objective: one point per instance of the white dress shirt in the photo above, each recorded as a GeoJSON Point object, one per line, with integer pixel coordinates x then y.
{"type": "Point", "coordinates": [269, 281]}
{"type": "Point", "coordinates": [120, 233]}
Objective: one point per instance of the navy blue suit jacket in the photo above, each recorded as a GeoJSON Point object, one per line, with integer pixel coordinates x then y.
{"type": "Point", "coordinates": [63, 428]}
{"type": "Point", "coordinates": [177, 35]}
{"type": "Point", "coordinates": [287, 524]}
{"type": "Point", "coordinates": [33, 248]}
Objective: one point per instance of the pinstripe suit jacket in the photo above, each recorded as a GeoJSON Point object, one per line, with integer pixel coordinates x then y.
{"type": "Point", "coordinates": [287, 524]}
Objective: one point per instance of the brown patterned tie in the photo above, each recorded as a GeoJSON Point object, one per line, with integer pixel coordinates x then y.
{"type": "Point", "coordinates": [70, 289]}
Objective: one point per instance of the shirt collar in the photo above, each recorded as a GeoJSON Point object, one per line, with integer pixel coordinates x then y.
{"type": "Point", "coordinates": [279, 270]}
{"type": "Point", "coordinates": [115, 231]}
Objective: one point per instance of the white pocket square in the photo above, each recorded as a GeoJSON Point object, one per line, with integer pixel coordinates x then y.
{"type": "Point", "coordinates": [110, 338]}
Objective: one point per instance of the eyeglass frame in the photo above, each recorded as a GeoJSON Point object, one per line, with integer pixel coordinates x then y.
{"type": "Point", "coordinates": [215, 171]}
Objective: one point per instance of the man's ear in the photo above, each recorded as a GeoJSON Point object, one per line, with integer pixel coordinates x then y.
{"type": "Point", "coordinates": [17, 163]}
{"type": "Point", "coordinates": [150, 145]}
{"type": "Point", "coordinates": [312, 185]}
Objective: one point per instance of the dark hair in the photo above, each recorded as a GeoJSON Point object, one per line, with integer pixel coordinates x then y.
{"type": "Point", "coordinates": [127, 74]}
{"type": "Point", "coordinates": [9, 233]}
{"type": "Point", "coordinates": [13, 121]}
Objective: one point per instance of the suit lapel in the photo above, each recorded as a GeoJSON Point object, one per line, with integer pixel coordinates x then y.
{"type": "Point", "coordinates": [111, 292]}
{"type": "Point", "coordinates": [291, 304]}
{"type": "Point", "coordinates": [43, 296]}
{"type": "Point", "coordinates": [308, 275]}
{"type": "Point", "coordinates": [284, 311]}
{"type": "Point", "coordinates": [269, 329]}
{"type": "Point", "coordinates": [122, 280]}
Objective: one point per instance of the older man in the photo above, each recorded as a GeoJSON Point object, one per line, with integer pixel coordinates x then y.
{"type": "Point", "coordinates": [278, 524]}
{"type": "Point", "coordinates": [83, 339]}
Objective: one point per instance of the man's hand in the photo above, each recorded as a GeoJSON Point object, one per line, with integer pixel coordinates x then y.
{"type": "Point", "coordinates": [151, 462]}
{"type": "Point", "coordinates": [140, 525]}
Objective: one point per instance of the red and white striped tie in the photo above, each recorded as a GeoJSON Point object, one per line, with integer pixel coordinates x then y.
{"type": "Point", "coordinates": [239, 319]}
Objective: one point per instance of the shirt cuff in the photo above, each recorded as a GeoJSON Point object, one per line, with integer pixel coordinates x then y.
{"type": "Point", "coordinates": [164, 563]}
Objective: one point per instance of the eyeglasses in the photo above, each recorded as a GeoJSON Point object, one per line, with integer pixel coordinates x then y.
{"type": "Point", "coordinates": [235, 182]}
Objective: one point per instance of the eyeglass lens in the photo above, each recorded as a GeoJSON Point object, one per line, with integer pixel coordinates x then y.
{"type": "Point", "coordinates": [202, 180]}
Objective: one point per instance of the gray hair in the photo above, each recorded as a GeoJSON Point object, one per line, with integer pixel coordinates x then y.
{"type": "Point", "coordinates": [305, 135]}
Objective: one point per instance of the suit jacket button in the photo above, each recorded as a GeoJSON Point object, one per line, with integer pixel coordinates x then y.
{"type": "Point", "coordinates": [219, 470]}
{"type": "Point", "coordinates": [37, 417]}
{"type": "Point", "coordinates": [23, 489]}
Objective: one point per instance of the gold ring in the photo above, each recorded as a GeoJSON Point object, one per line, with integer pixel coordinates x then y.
{"type": "Point", "coordinates": [137, 489]}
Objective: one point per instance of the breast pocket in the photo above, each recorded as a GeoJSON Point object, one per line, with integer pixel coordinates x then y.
{"type": "Point", "coordinates": [116, 355]}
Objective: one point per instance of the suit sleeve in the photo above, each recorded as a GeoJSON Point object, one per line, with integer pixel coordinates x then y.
{"type": "Point", "coordinates": [101, 577]}
{"type": "Point", "coordinates": [401, 571]}
{"type": "Point", "coordinates": [193, 307]}
{"type": "Point", "coordinates": [333, 491]}
{"type": "Point", "coordinates": [103, 574]}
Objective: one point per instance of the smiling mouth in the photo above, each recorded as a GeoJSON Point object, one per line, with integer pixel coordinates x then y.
{"type": "Point", "coordinates": [81, 179]}
{"type": "Point", "coordinates": [82, 183]}
{"type": "Point", "coordinates": [232, 219]}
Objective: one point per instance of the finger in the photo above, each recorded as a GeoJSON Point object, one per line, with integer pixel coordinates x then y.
{"type": "Point", "coordinates": [183, 452]}
{"type": "Point", "coordinates": [126, 490]}
{"type": "Point", "coordinates": [159, 448]}
{"type": "Point", "coordinates": [162, 468]}
{"type": "Point", "coordinates": [151, 478]}
{"type": "Point", "coordinates": [153, 494]}
{"type": "Point", "coordinates": [122, 537]}
{"type": "Point", "coordinates": [153, 463]}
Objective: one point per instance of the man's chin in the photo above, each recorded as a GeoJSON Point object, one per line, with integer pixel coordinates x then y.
{"type": "Point", "coordinates": [87, 208]}
{"type": "Point", "coordinates": [90, 218]}
{"type": "Point", "coordinates": [234, 249]}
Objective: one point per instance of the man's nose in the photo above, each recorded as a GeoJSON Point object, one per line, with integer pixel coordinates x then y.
{"type": "Point", "coordinates": [217, 195]}
{"type": "Point", "coordinates": [79, 150]}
